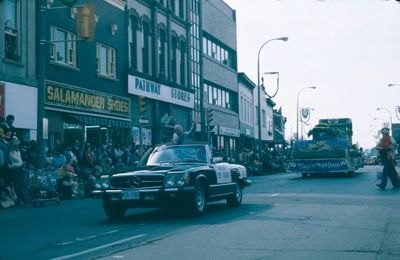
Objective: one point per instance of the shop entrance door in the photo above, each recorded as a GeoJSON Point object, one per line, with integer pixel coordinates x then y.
{"type": "Point", "coordinates": [97, 135]}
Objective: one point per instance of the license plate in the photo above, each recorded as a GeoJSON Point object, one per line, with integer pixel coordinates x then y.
{"type": "Point", "coordinates": [130, 195]}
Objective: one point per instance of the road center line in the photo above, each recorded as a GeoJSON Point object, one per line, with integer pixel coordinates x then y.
{"type": "Point", "coordinates": [99, 247]}
{"type": "Point", "coordinates": [274, 195]}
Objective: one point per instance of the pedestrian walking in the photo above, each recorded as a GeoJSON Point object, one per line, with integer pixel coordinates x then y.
{"type": "Point", "coordinates": [386, 151]}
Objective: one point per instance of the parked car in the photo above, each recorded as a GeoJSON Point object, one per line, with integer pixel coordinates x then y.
{"type": "Point", "coordinates": [184, 175]}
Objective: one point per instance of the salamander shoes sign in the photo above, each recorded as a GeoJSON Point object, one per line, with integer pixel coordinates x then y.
{"type": "Point", "coordinates": [82, 99]}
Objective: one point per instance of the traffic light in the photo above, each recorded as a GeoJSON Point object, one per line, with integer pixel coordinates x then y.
{"type": "Point", "coordinates": [141, 105]}
{"type": "Point", "coordinates": [86, 22]}
{"type": "Point", "coordinates": [210, 116]}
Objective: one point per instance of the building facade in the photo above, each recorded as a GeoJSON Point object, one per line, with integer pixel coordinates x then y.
{"type": "Point", "coordinates": [158, 67]}
{"type": "Point", "coordinates": [18, 82]}
{"type": "Point", "coordinates": [151, 64]}
{"type": "Point", "coordinates": [266, 118]}
{"type": "Point", "coordinates": [85, 95]}
{"type": "Point", "coordinates": [246, 112]}
{"type": "Point", "coordinates": [220, 82]}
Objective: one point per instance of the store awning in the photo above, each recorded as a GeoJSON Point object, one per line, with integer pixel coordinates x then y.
{"type": "Point", "coordinates": [167, 121]}
{"type": "Point", "coordinates": [93, 120]}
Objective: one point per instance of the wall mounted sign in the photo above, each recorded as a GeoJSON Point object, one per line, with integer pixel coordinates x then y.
{"type": "Point", "coordinates": [86, 100]}
{"type": "Point", "coordinates": [143, 87]}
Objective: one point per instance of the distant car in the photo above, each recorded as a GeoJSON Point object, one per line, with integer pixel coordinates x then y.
{"type": "Point", "coordinates": [184, 175]}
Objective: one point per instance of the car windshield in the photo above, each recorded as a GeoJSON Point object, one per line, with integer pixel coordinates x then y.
{"type": "Point", "coordinates": [177, 154]}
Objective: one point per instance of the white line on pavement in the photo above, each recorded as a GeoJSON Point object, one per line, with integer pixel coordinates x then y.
{"type": "Point", "coordinates": [274, 195]}
{"type": "Point", "coordinates": [78, 239]}
{"type": "Point", "coordinates": [99, 247]}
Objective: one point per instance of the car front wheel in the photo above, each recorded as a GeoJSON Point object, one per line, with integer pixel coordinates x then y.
{"type": "Point", "coordinates": [197, 203]}
{"type": "Point", "coordinates": [235, 199]}
{"type": "Point", "coordinates": [113, 210]}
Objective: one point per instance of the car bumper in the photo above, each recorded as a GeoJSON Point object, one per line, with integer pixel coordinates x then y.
{"type": "Point", "coordinates": [145, 197]}
{"type": "Point", "coordinates": [247, 182]}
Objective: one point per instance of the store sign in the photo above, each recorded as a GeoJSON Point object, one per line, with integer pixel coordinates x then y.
{"type": "Point", "coordinates": [143, 87]}
{"type": "Point", "coordinates": [229, 131]}
{"type": "Point", "coordinates": [87, 100]}
{"type": "Point", "coordinates": [2, 98]}
{"type": "Point", "coordinates": [45, 129]}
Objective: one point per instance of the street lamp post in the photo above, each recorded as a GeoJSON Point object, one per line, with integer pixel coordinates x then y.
{"type": "Point", "coordinates": [259, 89]}
{"type": "Point", "coordinates": [297, 109]}
{"type": "Point", "coordinates": [390, 117]}
{"type": "Point", "coordinates": [397, 109]}
{"type": "Point", "coordinates": [380, 118]}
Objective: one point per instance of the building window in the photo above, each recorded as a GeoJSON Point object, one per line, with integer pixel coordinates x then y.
{"type": "Point", "coordinates": [228, 104]}
{"type": "Point", "coordinates": [263, 117]}
{"type": "Point", "coordinates": [181, 9]}
{"type": "Point", "coordinates": [172, 5]}
{"type": "Point", "coordinates": [217, 52]}
{"type": "Point", "coordinates": [269, 124]}
{"type": "Point", "coordinates": [183, 63]}
{"type": "Point", "coordinates": [63, 47]}
{"type": "Point", "coordinates": [146, 48]}
{"type": "Point", "coordinates": [11, 30]}
{"type": "Point", "coordinates": [133, 44]}
{"type": "Point", "coordinates": [173, 58]}
{"type": "Point", "coordinates": [162, 40]}
{"type": "Point", "coordinates": [218, 97]}
{"type": "Point", "coordinates": [106, 61]}
{"type": "Point", "coordinates": [257, 113]}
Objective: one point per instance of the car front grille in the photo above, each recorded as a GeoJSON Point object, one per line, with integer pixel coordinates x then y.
{"type": "Point", "coordinates": [137, 181]}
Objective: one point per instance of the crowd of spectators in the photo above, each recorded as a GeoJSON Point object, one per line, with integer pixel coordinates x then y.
{"type": "Point", "coordinates": [76, 166]}
{"type": "Point", "coordinates": [79, 166]}
{"type": "Point", "coordinates": [269, 161]}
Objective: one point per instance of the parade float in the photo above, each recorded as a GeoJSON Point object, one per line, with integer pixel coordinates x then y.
{"type": "Point", "coordinates": [330, 149]}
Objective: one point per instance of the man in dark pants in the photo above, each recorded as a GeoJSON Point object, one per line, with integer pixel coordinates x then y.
{"type": "Point", "coordinates": [386, 147]}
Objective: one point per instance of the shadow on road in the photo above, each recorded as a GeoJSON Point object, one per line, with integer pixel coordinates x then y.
{"type": "Point", "coordinates": [326, 176]}
{"type": "Point", "coordinates": [217, 212]}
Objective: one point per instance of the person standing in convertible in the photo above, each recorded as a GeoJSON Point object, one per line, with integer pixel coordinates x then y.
{"type": "Point", "coordinates": [180, 136]}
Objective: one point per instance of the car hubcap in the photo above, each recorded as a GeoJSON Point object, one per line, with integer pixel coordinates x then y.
{"type": "Point", "coordinates": [238, 192]}
{"type": "Point", "coordinates": [199, 199]}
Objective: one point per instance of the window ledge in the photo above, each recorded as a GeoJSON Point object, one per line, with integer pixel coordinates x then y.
{"type": "Point", "coordinates": [107, 77]}
{"type": "Point", "coordinates": [13, 62]}
{"type": "Point", "coordinates": [63, 65]}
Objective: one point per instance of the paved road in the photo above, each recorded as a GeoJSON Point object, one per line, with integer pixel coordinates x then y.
{"type": "Point", "coordinates": [283, 216]}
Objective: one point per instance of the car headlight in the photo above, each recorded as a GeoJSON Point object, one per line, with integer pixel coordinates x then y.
{"type": "Point", "coordinates": [103, 182]}
{"type": "Point", "coordinates": [177, 180]}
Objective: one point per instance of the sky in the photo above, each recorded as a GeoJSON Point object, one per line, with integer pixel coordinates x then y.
{"type": "Point", "coordinates": [348, 49]}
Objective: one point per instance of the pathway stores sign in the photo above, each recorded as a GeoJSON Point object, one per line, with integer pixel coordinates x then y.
{"type": "Point", "coordinates": [143, 87]}
{"type": "Point", "coordinates": [86, 100]}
